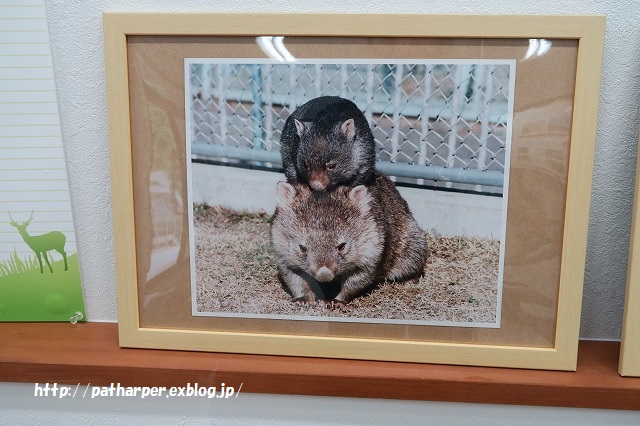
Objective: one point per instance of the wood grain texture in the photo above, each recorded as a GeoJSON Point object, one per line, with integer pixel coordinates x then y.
{"type": "Point", "coordinates": [89, 353]}
{"type": "Point", "coordinates": [371, 25]}
{"type": "Point", "coordinates": [630, 349]}
{"type": "Point", "coordinates": [583, 140]}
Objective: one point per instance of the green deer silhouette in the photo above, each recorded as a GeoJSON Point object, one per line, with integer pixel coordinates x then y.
{"type": "Point", "coordinates": [41, 244]}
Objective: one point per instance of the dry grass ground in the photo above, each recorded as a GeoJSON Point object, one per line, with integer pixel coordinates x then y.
{"type": "Point", "coordinates": [235, 273]}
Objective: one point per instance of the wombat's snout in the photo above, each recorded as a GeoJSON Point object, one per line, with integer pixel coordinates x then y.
{"type": "Point", "coordinates": [319, 181]}
{"type": "Point", "coordinates": [324, 275]}
{"type": "Point", "coordinates": [317, 185]}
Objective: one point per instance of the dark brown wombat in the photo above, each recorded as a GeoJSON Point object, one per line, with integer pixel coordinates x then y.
{"type": "Point", "coordinates": [327, 142]}
{"type": "Point", "coordinates": [336, 245]}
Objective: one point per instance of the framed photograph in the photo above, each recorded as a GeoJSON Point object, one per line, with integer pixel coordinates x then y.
{"type": "Point", "coordinates": [630, 347]}
{"type": "Point", "coordinates": [387, 187]}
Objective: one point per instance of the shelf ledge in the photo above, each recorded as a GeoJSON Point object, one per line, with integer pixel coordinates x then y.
{"type": "Point", "coordinates": [89, 353]}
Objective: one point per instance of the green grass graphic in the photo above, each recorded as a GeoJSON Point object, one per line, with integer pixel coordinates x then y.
{"type": "Point", "coordinates": [15, 265]}
{"type": "Point", "coordinates": [28, 295]}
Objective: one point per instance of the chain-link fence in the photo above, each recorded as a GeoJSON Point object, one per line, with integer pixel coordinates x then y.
{"type": "Point", "coordinates": [435, 124]}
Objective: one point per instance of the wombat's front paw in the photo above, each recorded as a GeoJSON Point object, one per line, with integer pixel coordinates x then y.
{"type": "Point", "coordinates": [304, 300]}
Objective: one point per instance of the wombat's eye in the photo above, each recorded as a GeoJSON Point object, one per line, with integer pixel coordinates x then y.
{"type": "Point", "coordinates": [303, 249]}
{"type": "Point", "coordinates": [330, 166]}
{"type": "Point", "coordinates": [341, 247]}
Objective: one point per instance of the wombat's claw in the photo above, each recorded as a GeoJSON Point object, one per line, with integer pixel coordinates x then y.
{"type": "Point", "coordinates": [302, 301]}
{"type": "Point", "coordinates": [337, 304]}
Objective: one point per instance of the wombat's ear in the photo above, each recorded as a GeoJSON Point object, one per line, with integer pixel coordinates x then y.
{"type": "Point", "coordinates": [286, 193]}
{"type": "Point", "coordinates": [348, 128]}
{"type": "Point", "coordinates": [360, 195]}
{"type": "Point", "coordinates": [299, 127]}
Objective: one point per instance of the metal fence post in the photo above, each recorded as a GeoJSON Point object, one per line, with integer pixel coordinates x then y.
{"type": "Point", "coordinates": [256, 109]}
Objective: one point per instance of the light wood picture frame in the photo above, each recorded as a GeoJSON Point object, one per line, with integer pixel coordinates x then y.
{"type": "Point", "coordinates": [630, 346]}
{"type": "Point", "coordinates": [130, 125]}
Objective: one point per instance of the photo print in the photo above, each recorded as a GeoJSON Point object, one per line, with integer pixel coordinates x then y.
{"type": "Point", "coordinates": [352, 190]}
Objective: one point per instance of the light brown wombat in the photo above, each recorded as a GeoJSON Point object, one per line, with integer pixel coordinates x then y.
{"type": "Point", "coordinates": [336, 245]}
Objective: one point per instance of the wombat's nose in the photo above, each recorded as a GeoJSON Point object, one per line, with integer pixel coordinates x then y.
{"type": "Point", "coordinates": [318, 180]}
{"type": "Point", "coordinates": [324, 275]}
{"type": "Point", "coordinates": [317, 185]}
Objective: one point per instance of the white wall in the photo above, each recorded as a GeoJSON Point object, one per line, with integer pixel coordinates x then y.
{"type": "Point", "coordinates": [76, 34]}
